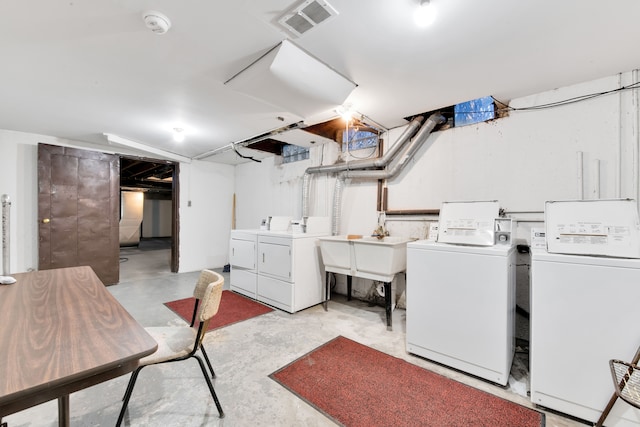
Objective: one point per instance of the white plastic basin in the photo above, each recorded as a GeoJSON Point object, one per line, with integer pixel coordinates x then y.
{"type": "Point", "coordinates": [336, 254]}
{"type": "Point", "coordinates": [380, 259]}
{"type": "Point", "coordinates": [368, 257]}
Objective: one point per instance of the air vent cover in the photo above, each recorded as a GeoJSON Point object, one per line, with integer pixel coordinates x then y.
{"type": "Point", "coordinates": [306, 16]}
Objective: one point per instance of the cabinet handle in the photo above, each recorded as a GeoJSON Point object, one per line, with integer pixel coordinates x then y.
{"type": "Point", "coordinates": [263, 257]}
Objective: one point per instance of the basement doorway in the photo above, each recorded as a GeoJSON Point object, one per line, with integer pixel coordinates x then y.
{"type": "Point", "coordinates": [149, 218]}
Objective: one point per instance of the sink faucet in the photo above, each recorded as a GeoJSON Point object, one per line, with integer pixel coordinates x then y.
{"type": "Point", "coordinates": [380, 232]}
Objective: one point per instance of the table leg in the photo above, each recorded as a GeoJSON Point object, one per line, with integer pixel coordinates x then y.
{"type": "Point", "coordinates": [387, 305]}
{"type": "Point", "coordinates": [349, 286]}
{"type": "Point", "coordinates": [63, 411]}
{"type": "Point", "coordinates": [327, 291]}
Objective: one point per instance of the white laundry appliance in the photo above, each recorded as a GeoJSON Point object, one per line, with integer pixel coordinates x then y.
{"type": "Point", "coordinates": [280, 266]}
{"type": "Point", "coordinates": [584, 312]}
{"type": "Point", "coordinates": [584, 308]}
{"type": "Point", "coordinates": [461, 298]}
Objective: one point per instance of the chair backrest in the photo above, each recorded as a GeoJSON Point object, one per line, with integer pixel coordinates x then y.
{"type": "Point", "coordinates": [210, 301]}
{"type": "Point", "coordinates": [206, 277]}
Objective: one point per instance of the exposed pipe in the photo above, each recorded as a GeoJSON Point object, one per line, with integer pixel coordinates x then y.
{"type": "Point", "coordinates": [636, 145]}
{"type": "Point", "coordinates": [579, 178]}
{"type": "Point", "coordinates": [337, 204]}
{"type": "Point", "coordinates": [596, 189]}
{"type": "Point", "coordinates": [407, 153]}
{"type": "Point", "coordinates": [383, 161]}
{"type": "Point", "coordinates": [6, 210]}
{"type": "Point", "coordinates": [379, 162]}
{"type": "Point", "coordinates": [306, 178]}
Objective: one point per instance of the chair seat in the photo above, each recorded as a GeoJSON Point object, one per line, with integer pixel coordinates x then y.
{"type": "Point", "coordinates": [172, 342]}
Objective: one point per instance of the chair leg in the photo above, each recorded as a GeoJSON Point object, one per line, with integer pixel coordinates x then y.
{"type": "Point", "coordinates": [206, 358]}
{"type": "Point", "coordinates": [127, 394]}
{"type": "Point", "coordinates": [195, 312]}
{"type": "Point", "coordinates": [213, 393]}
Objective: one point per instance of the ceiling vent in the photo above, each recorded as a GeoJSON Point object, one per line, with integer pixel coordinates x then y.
{"type": "Point", "coordinates": [306, 16]}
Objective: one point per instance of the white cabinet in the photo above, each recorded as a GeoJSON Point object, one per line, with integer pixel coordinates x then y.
{"type": "Point", "coordinates": [290, 273]}
{"type": "Point", "coordinates": [242, 258]}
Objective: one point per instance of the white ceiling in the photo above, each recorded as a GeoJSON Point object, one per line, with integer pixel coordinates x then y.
{"type": "Point", "coordinates": [78, 69]}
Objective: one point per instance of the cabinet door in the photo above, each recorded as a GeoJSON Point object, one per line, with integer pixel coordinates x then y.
{"type": "Point", "coordinates": [275, 260]}
{"type": "Point", "coordinates": [243, 254]}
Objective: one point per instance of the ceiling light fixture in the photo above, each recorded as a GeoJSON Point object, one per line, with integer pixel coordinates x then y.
{"type": "Point", "coordinates": [346, 112]}
{"type": "Point", "coordinates": [178, 134]}
{"type": "Point", "coordinates": [425, 14]}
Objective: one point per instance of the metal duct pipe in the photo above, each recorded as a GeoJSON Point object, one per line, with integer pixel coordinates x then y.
{"type": "Point", "coordinates": [380, 162]}
{"type": "Point", "coordinates": [306, 183]}
{"type": "Point", "coordinates": [337, 204]}
{"type": "Point", "coordinates": [407, 153]}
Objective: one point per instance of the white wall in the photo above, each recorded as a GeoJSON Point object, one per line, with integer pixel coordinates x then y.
{"type": "Point", "coordinates": [206, 200]}
{"type": "Point", "coordinates": [521, 160]}
{"type": "Point", "coordinates": [204, 231]}
{"type": "Point", "coordinates": [18, 179]}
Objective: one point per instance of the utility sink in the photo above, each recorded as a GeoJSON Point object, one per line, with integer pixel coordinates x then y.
{"type": "Point", "coordinates": [368, 257]}
{"type": "Point", "coordinates": [337, 252]}
{"type": "Point", "coordinates": [380, 259]}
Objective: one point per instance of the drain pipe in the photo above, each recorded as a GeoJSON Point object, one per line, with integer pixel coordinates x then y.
{"type": "Point", "coordinates": [380, 162]}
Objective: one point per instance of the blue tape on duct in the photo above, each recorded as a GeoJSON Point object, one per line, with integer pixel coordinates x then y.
{"type": "Point", "coordinates": [474, 111]}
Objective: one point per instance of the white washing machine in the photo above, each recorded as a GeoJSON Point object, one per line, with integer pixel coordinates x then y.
{"type": "Point", "coordinates": [461, 306]}
{"type": "Point", "coordinates": [585, 310]}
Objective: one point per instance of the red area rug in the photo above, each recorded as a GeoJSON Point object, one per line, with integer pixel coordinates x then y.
{"type": "Point", "coordinates": [356, 385]}
{"type": "Point", "coordinates": [233, 308]}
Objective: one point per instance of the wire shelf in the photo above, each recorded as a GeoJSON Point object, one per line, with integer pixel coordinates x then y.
{"type": "Point", "coordinates": [626, 378]}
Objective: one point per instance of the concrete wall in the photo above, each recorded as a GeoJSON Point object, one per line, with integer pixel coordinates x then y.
{"type": "Point", "coordinates": [205, 225]}
{"type": "Point", "coordinates": [521, 160]}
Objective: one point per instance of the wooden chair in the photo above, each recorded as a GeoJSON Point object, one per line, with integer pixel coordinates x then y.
{"type": "Point", "coordinates": [626, 382]}
{"type": "Point", "coordinates": [181, 343]}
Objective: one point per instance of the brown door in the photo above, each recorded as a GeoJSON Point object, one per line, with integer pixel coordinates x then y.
{"type": "Point", "coordinates": [78, 205]}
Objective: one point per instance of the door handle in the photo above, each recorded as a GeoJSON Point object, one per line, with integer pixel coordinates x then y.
{"type": "Point", "coordinates": [46, 221]}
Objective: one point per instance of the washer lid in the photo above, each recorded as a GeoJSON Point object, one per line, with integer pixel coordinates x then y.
{"type": "Point", "coordinates": [468, 223]}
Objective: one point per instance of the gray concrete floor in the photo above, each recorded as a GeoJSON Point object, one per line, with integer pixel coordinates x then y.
{"type": "Point", "coordinates": [243, 355]}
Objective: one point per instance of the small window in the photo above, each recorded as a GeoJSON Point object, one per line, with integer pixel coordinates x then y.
{"type": "Point", "coordinates": [293, 153]}
{"type": "Point", "coordinates": [474, 111]}
{"type": "Point", "coordinates": [357, 139]}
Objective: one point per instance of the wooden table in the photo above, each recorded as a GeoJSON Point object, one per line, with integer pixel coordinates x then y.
{"type": "Point", "coordinates": [62, 331]}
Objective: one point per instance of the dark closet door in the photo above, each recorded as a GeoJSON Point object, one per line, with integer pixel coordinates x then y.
{"type": "Point", "coordinates": [78, 210]}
